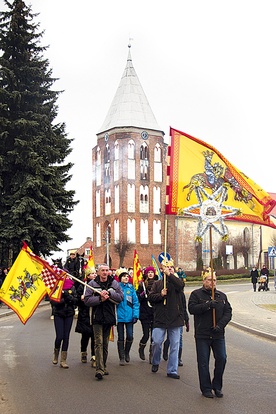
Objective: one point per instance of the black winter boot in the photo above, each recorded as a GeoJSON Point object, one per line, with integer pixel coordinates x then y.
{"type": "Point", "coordinates": [150, 354]}
{"type": "Point", "coordinates": [141, 351]}
{"type": "Point", "coordinates": [121, 352]}
{"type": "Point", "coordinates": [127, 349]}
{"type": "Point", "coordinates": [180, 363]}
{"type": "Point", "coordinates": [166, 350]}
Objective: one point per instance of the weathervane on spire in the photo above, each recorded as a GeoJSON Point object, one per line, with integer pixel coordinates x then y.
{"type": "Point", "coordinates": [129, 41]}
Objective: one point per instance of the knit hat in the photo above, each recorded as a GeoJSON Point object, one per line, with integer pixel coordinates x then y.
{"type": "Point", "coordinates": [121, 272]}
{"type": "Point", "coordinates": [147, 270]}
{"type": "Point", "coordinates": [68, 283]}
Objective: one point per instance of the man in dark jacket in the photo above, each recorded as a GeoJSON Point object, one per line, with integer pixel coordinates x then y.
{"type": "Point", "coordinates": [103, 314]}
{"type": "Point", "coordinates": [166, 298]}
{"type": "Point", "coordinates": [210, 319]}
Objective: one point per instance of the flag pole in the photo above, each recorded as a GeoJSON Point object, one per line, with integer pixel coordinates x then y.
{"type": "Point", "coordinates": [165, 254]}
{"type": "Point", "coordinates": [212, 274]}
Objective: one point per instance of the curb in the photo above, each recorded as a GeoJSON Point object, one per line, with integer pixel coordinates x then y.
{"type": "Point", "coordinates": [266, 335]}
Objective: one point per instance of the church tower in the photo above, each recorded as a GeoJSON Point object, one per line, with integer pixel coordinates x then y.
{"type": "Point", "coordinates": [129, 178]}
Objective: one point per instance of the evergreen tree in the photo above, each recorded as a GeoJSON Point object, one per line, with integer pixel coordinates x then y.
{"type": "Point", "coordinates": [34, 202]}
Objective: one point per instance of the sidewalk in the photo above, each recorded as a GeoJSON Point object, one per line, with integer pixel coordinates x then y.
{"type": "Point", "coordinates": [249, 312]}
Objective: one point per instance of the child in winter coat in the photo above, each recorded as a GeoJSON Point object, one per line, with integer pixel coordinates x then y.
{"type": "Point", "coordinates": [127, 316]}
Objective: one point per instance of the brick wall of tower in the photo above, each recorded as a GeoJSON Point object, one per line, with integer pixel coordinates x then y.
{"type": "Point", "coordinates": [123, 136]}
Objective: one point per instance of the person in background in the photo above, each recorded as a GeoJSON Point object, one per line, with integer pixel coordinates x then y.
{"type": "Point", "coordinates": [105, 294]}
{"type": "Point", "coordinates": [127, 316]}
{"type": "Point", "coordinates": [211, 315]}
{"type": "Point", "coordinates": [254, 274]}
{"type": "Point", "coordinates": [166, 297]}
{"type": "Point", "coordinates": [146, 310]}
{"type": "Point", "coordinates": [181, 274]}
{"type": "Point", "coordinates": [265, 272]}
{"type": "Point", "coordinates": [84, 321]}
{"type": "Point", "coordinates": [64, 312]}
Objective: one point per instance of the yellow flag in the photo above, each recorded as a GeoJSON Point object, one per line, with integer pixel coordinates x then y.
{"type": "Point", "coordinates": [91, 262]}
{"type": "Point", "coordinates": [137, 271]}
{"type": "Point", "coordinates": [197, 171]}
{"type": "Point", "coordinates": [28, 281]}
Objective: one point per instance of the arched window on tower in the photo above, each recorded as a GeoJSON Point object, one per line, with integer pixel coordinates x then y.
{"type": "Point", "coordinates": [116, 231]}
{"type": "Point", "coordinates": [98, 235]}
{"type": "Point", "coordinates": [131, 198]}
{"type": "Point", "coordinates": [131, 230]}
{"type": "Point", "coordinates": [131, 160]}
{"type": "Point", "coordinates": [144, 199]}
{"type": "Point", "coordinates": [107, 164]}
{"type": "Point", "coordinates": [116, 161]}
{"type": "Point", "coordinates": [98, 166]}
{"type": "Point", "coordinates": [107, 202]}
{"type": "Point", "coordinates": [156, 232]}
{"type": "Point", "coordinates": [156, 200]}
{"type": "Point", "coordinates": [116, 199]}
{"type": "Point", "coordinates": [144, 232]}
{"type": "Point", "coordinates": [144, 162]}
{"type": "Point", "coordinates": [98, 203]}
{"type": "Point", "coordinates": [157, 170]}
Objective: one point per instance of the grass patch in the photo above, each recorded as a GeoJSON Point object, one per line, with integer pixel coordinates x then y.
{"type": "Point", "coordinates": [268, 307]}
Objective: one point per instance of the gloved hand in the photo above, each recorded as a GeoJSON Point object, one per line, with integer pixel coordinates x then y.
{"type": "Point", "coordinates": [216, 329]}
{"type": "Point", "coordinates": [134, 320]}
{"type": "Point", "coordinates": [213, 303]}
{"type": "Point", "coordinates": [187, 323]}
{"type": "Point", "coordinates": [142, 294]}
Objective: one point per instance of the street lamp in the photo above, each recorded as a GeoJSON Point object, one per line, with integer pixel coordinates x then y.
{"type": "Point", "coordinates": [107, 244]}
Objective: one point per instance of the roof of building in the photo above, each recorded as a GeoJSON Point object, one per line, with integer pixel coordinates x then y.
{"type": "Point", "coordinates": [130, 107]}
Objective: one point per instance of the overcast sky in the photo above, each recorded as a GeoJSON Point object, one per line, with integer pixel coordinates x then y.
{"type": "Point", "coordinates": [208, 68]}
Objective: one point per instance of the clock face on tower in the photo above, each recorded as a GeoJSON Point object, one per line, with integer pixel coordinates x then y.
{"type": "Point", "coordinates": [106, 137]}
{"type": "Point", "coordinates": [144, 135]}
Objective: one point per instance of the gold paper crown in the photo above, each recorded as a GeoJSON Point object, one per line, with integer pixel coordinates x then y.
{"type": "Point", "coordinates": [88, 271]}
{"type": "Point", "coordinates": [121, 271]}
{"type": "Point", "coordinates": [167, 262]}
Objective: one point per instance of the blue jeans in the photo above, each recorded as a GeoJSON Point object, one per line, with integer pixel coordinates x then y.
{"type": "Point", "coordinates": [101, 336]}
{"type": "Point", "coordinates": [158, 336]}
{"type": "Point", "coordinates": [121, 331]}
{"type": "Point", "coordinates": [203, 350]}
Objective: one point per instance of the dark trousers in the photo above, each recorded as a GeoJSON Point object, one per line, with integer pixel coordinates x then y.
{"type": "Point", "coordinates": [85, 341]}
{"type": "Point", "coordinates": [63, 328]}
{"type": "Point", "coordinates": [147, 331]}
{"type": "Point", "coordinates": [101, 335]}
{"type": "Point", "coordinates": [203, 350]}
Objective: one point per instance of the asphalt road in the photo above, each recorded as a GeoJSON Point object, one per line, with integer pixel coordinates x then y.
{"type": "Point", "coordinates": [30, 383]}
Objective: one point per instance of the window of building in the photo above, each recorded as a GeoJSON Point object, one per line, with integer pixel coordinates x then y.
{"type": "Point", "coordinates": [144, 199]}
{"type": "Point", "coordinates": [131, 230]}
{"type": "Point", "coordinates": [116, 199]}
{"type": "Point", "coordinates": [131, 198]}
{"type": "Point", "coordinates": [156, 232]}
{"type": "Point", "coordinates": [98, 203]}
{"type": "Point", "coordinates": [144, 232]}
{"type": "Point", "coordinates": [157, 169]}
{"type": "Point", "coordinates": [144, 162]}
{"type": "Point", "coordinates": [131, 160]}
{"type": "Point", "coordinates": [107, 201]}
{"type": "Point", "coordinates": [98, 166]}
{"type": "Point", "coordinates": [156, 200]}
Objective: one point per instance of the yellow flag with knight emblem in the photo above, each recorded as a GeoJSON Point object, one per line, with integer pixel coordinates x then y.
{"type": "Point", "coordinates": [198, 171]}
{"type": "Point", "coordinates": [27, 283]}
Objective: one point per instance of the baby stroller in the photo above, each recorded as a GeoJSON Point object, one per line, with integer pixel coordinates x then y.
{"type": "Point", "coordinates": [263, 283]}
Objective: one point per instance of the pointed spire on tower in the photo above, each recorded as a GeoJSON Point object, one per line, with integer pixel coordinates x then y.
{"type": "Point", "coordinates": [130, 107]}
